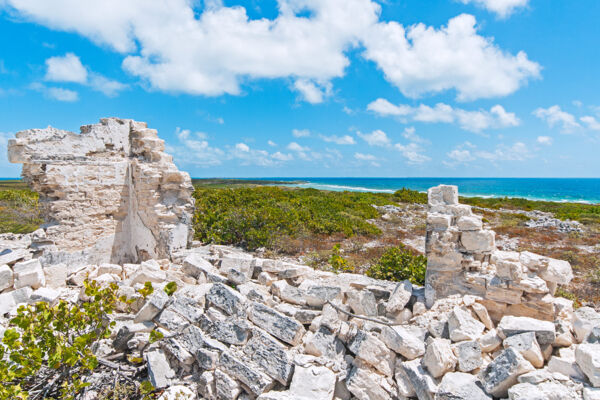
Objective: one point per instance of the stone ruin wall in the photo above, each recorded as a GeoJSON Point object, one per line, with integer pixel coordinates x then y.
{"type": "Point", "coordinates": [108, 194]}
{"type": "Point", "coordinates": [462, 258]}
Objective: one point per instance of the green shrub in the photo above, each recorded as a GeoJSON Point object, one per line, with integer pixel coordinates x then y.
{"type": "Point", "coordinates": [337, 262]}
{"type": "Point", "coordinates": [398, 264]}
{"type": "Point", "coordinates": [405, 195]}
{"type": "Point", "coordinates": [19, 210]}
{"type": "Point", "coordinates": [49, 348]}
{"type": "Point", "coordinates": [256, 217]}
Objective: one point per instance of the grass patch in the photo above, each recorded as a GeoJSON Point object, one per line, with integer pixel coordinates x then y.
{"type": "Point", "coordinates": [19, 209]}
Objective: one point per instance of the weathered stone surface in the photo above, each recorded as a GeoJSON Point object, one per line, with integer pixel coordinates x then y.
{"type": "Point", "coordinates": [154, 305]}
{"type": "Point", "coordinates": [545, 331]}
{"type": "Point", "coordinates": [271, 355]}
{"type": "Point", "coordinates": [468, 354]}
{"type": "Point", "coordinates": [178, 392]}
{"type": "Point", "coordinates": [490, 341]}
{"type": "Point", "coordinates": [439, 357]}
{"type": "Point", "coordinates": [591, 393]}
{"type": "Point", "coordinates": [160, 372]}
{"type": "Point", "coordinates": [462, 326]}
{"type": "Point", "coordinates": [483, 315]}
{"type": "Point", "coordinates": [503, 372]}
{"type": "Point", "coordinates": [56, 275]}
{"type": "Point", "coordinates": [548, 390]}
{"type": "Point", "coordinates": [373, 351]}
{"type": "Point", "coordinates": [226, 387]}
{"type": "Point", "coordinates": [6, 277]}
{"type": "Point", "coordinates": [141, 206]}
{"type": "Point", "coordinates": [365, 384]}
{"type": "Point", "coordinates": [478, 241]}
{"type": "Point", "coordinates": [277, 324]}
{"type": "Point", "coordinates": [249, 375]}
{"type": "Point", "coordinates": [461, 386]}
{"type": "Point", "coordinates": [527, 345]}
{"type": "Point", "coordinates": [362, 302]}
{"type": "Point", "coordinates": [584, 320]}
{"type": "Point", "coordinates": [324, 343]}
{"type": "Point", "coordinates": [402, 341]}
{"type": "Point", "coordinates": [399, 297]}
{"type": "Point", "coordinates": [423, 384]}
{"type": "Point", "coordinates": [226, 299]}
{"type": "Point", "coordinates": [29, 273]}
{"type": "Point", "coordinates": [312, 383]}
{"type": "Point", "coordinates": [587, 356]}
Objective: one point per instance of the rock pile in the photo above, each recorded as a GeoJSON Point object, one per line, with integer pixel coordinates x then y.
{"type": "Point", "coordinates": [462, 258]}
{"type": "Point", "coordinates": [242, 327]}
{"type": "Point", "coordinates": [109, 194]}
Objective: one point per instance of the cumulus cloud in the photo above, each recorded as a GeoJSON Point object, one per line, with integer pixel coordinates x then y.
{"type": "Point", "coordinates": [556, 116]}
{"type": "Point", "coordinates": [591, 122]}
{"type": "Point", "coordinates": [300, 133]}
{"type": "Point", "coordinates": [62, 94]}
{"type": "Point", "coordinates": [67, 68]}
{"type": "Point", "coordinates": [370, 158]}
{"type": "Point", "coordinates": [474, 121]}
{"type": "Point", "coordinates": [342, 140]}
{"type": "Point", "coordinates": [272, 143]}
{"type": "Point", "coordinates": [412, 152]}
{"type": "Point", "coordinates": [467, 152]}
{"type": "Point", "coordinates": [375, 138]}
{"type": "Point", "coordinates": [421, 59]}
{"type": "Point", "coordinates": [545, 140]}
{"type": "Point", "coordinates": [409, 134]}
{"type": "Point", "coordinates": [503, 8]}
{"type": "Point", "coordinates": [307, 43]}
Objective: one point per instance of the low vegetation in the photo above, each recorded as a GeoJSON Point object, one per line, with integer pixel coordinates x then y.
{"type": "Point", "coordinates": [399, 264]}
{"type": "Point", "coordinates": [19, 210]}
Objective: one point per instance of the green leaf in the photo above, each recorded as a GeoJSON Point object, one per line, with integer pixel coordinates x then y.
{"type": "Point", "coordinates": [170, 288]}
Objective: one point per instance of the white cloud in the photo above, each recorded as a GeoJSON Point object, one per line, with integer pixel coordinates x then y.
{"type": "Point", "coordinates": [342, 140]}
{"type": "Point", "coordinates": [555, 116]}
{"type": "Point", "coordinates": [365, 157]}
{"type": "Point", "coordinates": [300, 133]}
{"type": "Point", "coordinates": [62, 94]}
{"type": "Point", "coordinates": [461, 155]}
{"type": "Point", "coordinates": [545, 140]}
{"type": "Point", "coordinates": [503, 8]}
{"type": "Point", "coordinates": [467, 152]}
{"type": "Point", "coordinates": [242, 147]}
{"type": "Point", "coordinates": [108, 87]}
{"type": "Point", "coordinates": [272, 143]}
{"type": "Point", "coordinates": [475, 121]}
{"type": "Point", "coordinates": [67, 68]}
{"type": "Point", "coordinates": [412, 152]}
{"type": "Point", "coordinates": [375, 138]}
{"type": "Point", "coordinates": [195, 150]}
{"type": "Point", "coordinates": [409, 134]}
{"type": "Point", "coordinates": [422, 59]}
{"type": "Point", "coordinates": [282, 157]}
{"type": "Point", "coordinates": [223, 47]}
{"type": "Point", "coordinates": [591, 122]}
{"type": "Point", "coordinates": [293, 146]}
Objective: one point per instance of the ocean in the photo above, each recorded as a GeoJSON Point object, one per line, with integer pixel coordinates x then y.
{"type": "Point", "coordinates": [579, 190]}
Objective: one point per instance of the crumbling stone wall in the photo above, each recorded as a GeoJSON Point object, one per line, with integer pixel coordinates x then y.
{"type": "Point", "coordinates": [462, 258]}
{"type": "Point", "coordinates": [108, 194]}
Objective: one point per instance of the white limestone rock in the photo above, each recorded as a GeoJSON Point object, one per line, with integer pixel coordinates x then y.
{"type": "Point", "coordinates": [478, 241]}
{"type": "Point", "coordinates": [502, 373]}
{"type": "Point", "coordinates": [362, 302]}
{"type": "Point", "coordinates": [312, 383]}
{"type": "Point", "coordinates": [399, 297]}
{"type": "Point", "coordinates": [545, 331]}
{"type": "Point", "coordinates": [6, 277]}
{"type": "Point", "coordinates": [365, 384]}
{"type": "Point", "coordinates": [56, 275]}
{"type": "Point", "coordinates": [468, 354]}
{"type": "Point", "coordinates": [527, 345]}
{"type": "Point", "coordinates": [422, 382]}
{"type": "Point", "coordinates": [591, 393]}
{"type": "Point", "coordinates": [469, 223]}
{"type": "Point", "coordinates": [373, 352]}
{"type": "Point", "coordinates": [277, 324]}
{"type": "Point", "coordinates": [462, 326]}
{"type": "Point", "coordinates": [483, 315]}
{"type": "Point", "coordinates": [461, 386]}
{"type": "Point", "coordinates": [439, 357]}
{"type": "Point", "coordinates": [160, 372]}
{"type": "Point", "coordinates": [557, 271]}
{"type": "Point", "coordinates": [584, 320]}
{"type": "Point", "coordinates": [490, 341]}
{"type": "Point", "coordinates": [587, 356]}
{"type": "Point", "coordinates": [29, 273]}
{"type": "Point", "coordinates": [178, 392]}
{"type": "Point", "coordinates": [403, 341]}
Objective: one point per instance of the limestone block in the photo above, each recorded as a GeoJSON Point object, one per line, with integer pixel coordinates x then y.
{"type": "Point", "coordinates": [566, 366]}
{"type": "Point", "coordinates": [373, 352]}
{"type": "Point", "coordinates": [10, 256]}
{"type": "Point", "coordinates": [316, 294]}
{"type": "Point", "coordinates": [502, 373]}
{"type": "Point", "coordinates": [584, 320]}
{"type": "Point", "coordinates": [226, 299]}
{"type": "Point", "coordinates": [438, 222]}
{"type": "Point", "coordinates": [362, 302]}
{"type": "Point", "coordinates": [587, 356]}
{"type": "Point", "coordinates": [405, 387]}
{"type": "Point", "coordinates": [594, 335]}
{"type": "Point", "coordinates": [160, 372]}
{"type": "Point", "coordinates": [6, 277]}
{"type": "Point", "coordinates": [423, 384]}
{"type": "Point", "coordinates": [546, 390]}
{"type": "Point", "coordinates": [490, 341]}
{"type": "Point", "coordinates": [56, 275]}
{"type": "Point", "coordinates": [227, 388]}
{"type": "Point", "coordinates": [207, 359]}
{"type": "Point", "coordinates": [462, 326]}
{"type": "Point", "coordinates": [288, 293]}
{"type": "Point", "coordinates": [402, 341]}
{"type": "Point", "coordinates": [324, 343]}
{"type": "Point", "coordinates": [442, 195]}
{"type": "Point", "coordinates": [312, 383]}
{"type": "Point", "coordinates": [44, 294]}
{"type": "Point", "coordinates": [483, 315]}
{"type": "Point", "coordinates": [591, 393]}
{"type": "Point", "coordinates": [468, 354]}
{"type": "Point", "coordinates": [509, 325]}
{"type": "Point", "coordinates": [527, 345]}
{"type": "Point", "coordinates": [270, 355]}
{"type": "Point", "coordinates": [365, 384]}
{"type": "Point", "coordinates": [478, 241]}
{"type": "Point", "coordinates": [461, 386]}
{"type": "Point", "coordinates": [29, 273]}
{"type": "Point", "coordinates": [277, 324]}
{"type": "Point", "coordinates": [557, 271]}
{"type": "Point", "coordinates": [399, 297]}
{"type": "Point", "coordinates": [532, 261]}
{"type": "Point", "coordinates": [178, 392]}
{"type": "Point", "coordinates": [469, 223]}
{"type": "Point", "coordinates": [439, 357]}
{"type": "Point", "coordinates": [246, 373]}
{"type": "Point", "coordinates": [154, 305]}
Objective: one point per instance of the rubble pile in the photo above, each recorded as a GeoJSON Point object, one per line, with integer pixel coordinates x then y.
{"type": "Point", "coordinates": [245, 327]}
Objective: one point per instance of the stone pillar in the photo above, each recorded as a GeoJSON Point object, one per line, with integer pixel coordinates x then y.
{"type": "Point", "coordinates": [462, 259]}
{"type": "Point", "coordinates": [108, 194]}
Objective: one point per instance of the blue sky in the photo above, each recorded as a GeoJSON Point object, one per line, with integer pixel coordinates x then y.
{"type": "Point", "coordinates": [300, 88]}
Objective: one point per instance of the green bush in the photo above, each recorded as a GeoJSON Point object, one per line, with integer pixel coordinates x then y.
{"type": "Point", "coordinates": [49, 348]}
{"type": "Point", "coordinates": [19, 210]}
{"type": "Point", "coordinates": [256, 217]}
{"type": "Point", "coordinates": [398, 264]}
{"type": "Point", "coordinates": [337, 262]}
{"type": "Point", "coordinates": [405, 195]}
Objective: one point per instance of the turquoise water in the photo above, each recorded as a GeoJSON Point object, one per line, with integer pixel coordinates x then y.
{"type": "Point", "coordinates": [552, 189]}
